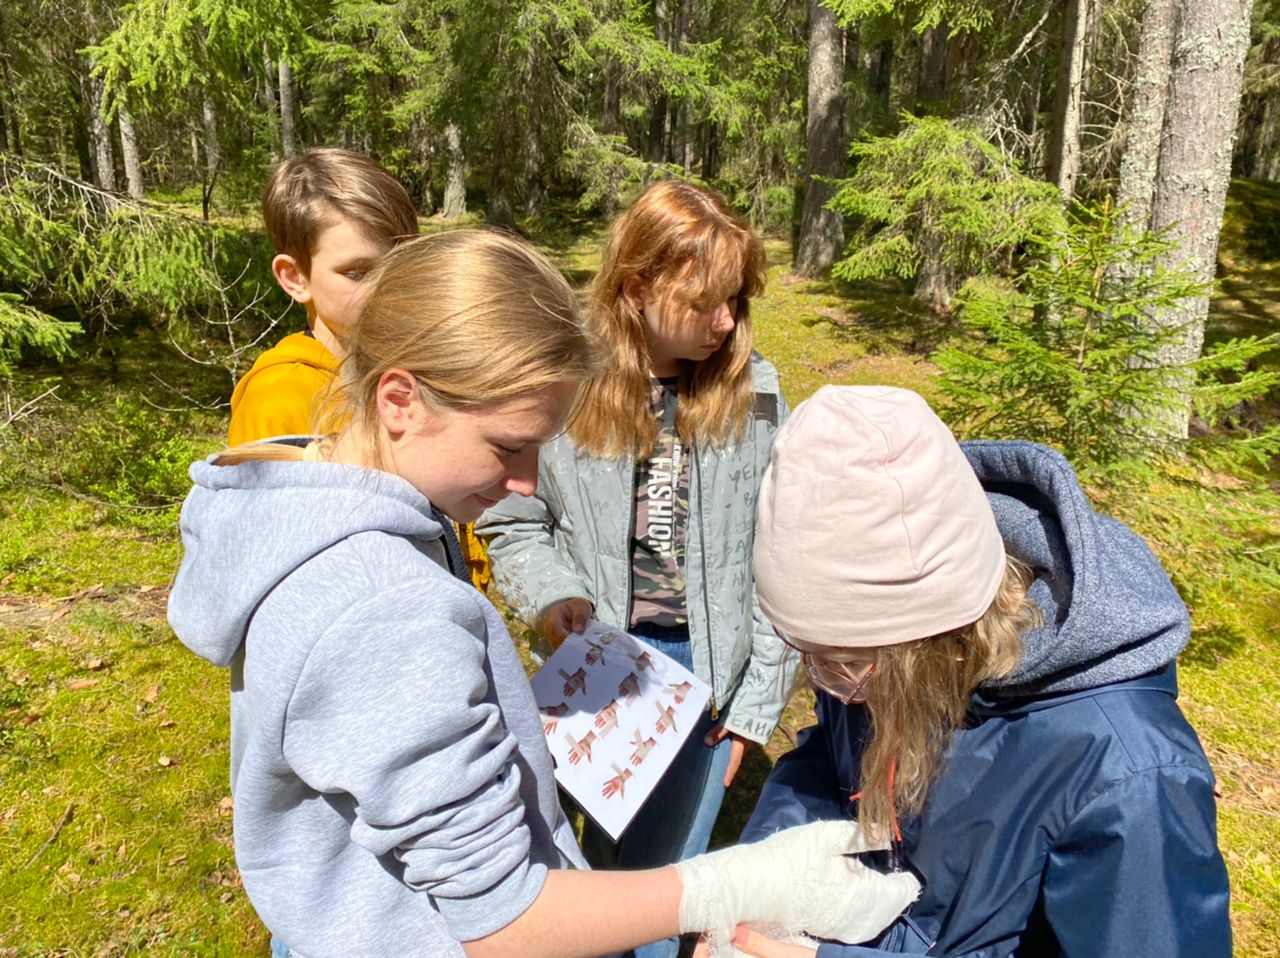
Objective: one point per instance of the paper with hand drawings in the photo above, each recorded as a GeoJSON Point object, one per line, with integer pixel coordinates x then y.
{"type": "Point", "coordinates": [615, 712]}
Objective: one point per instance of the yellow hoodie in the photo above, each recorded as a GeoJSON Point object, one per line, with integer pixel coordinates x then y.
{"type": "Point", "coordinates": [277, 396]}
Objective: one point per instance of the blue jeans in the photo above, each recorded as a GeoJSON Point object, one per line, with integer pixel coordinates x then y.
{"type": "Point", "coordinates": [278, 948]}
{"type": "Point", "coordinates": [676, 820]}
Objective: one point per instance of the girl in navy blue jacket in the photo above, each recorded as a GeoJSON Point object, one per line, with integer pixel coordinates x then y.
{"type": "Point", "coordinates": [996, 688]}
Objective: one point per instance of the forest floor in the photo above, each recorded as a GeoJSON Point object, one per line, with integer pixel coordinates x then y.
{"type": "Point", "coordinates": [115, 816]}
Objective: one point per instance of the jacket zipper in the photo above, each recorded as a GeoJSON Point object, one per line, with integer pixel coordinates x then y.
{"type": "Point", "coordinates": [706, 603]}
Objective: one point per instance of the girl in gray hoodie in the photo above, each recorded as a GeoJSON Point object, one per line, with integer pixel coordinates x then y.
{"type": "Point", "coordinates": [393, 791]}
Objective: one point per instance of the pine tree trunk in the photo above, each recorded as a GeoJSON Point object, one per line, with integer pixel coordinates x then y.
{"type": "Point", "coordinates": [288, 138]}
{"type": "Point", "coordinates": [104, 162]}
{"type": "Point", "coordinates": [1194, 170]}
{"type": "Point", "coordinates": [821, 230]}
{"type": "Point", "coordinates": [880, 75]}
{"type": "Point", "coordinates": [1145, 121]}
{"type": "Point", "coordinates": [212, 155]}
{"type": "Point", "coordinates": [658, 109]}
{"type": "Point", "coordinates": [272, 102]}
{"type": "Point", "coordinates": [935, 282]}
{"type": "Point", "coordinates": [611, 113]}
{"type": "Point", "coordinates": [931, 87]}
{"type": "Point", "coordinates": [534, 187]}
{"type": "Point", "coordinates": [455, 184]}
{"type": "Point", "coordinates": [129, 153]}
{"type": "Point", "coordinates": [1062, 162]}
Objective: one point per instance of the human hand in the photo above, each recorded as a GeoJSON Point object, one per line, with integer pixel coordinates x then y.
{"type": "Point", "coordinates": [747, 941]}
{"type": "Point", "coordinates": [750, 942]}
{"type": "Point", "coordinates": [737, 749]}
{"type": "Point", "coordinates": [569, 615]}
{"type": "Point", "coordinates": [798, 879]}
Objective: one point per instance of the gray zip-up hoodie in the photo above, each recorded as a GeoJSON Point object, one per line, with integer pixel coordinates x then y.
{"type": "Point", "coordinates": [573, 539]}
{"type": "Point", "coordinates": [393, 791]}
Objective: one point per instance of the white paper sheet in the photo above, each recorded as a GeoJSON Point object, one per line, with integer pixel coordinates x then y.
{"type": "Point", "coordinates": [615, 712]}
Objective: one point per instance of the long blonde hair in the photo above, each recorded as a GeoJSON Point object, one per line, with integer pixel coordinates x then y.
{"type": "Point", "coordinates": [919, 694]}
{"type": "Point", "coordinates": [684, 244]}
{"type": "Point", "coordinates": [476, 315]}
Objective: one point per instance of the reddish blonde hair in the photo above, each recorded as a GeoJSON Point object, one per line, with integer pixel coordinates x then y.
{"type": "Point", "coordinates": [691, 251]}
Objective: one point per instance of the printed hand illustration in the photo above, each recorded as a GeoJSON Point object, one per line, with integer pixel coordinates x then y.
{"type": "Point", "coordinates": [608, 637]}
{"type": "Point", "coordinates": [581, 748]}
{"type": "Point", "coordinates": [643, 661]}
{"type": "Point", "coordinates": [629, 688]}
{"type": "Point", "coordinates": [666, 717]}
{"type": "Point", "coordinates": [574, 683]}
{"type": "Point", "coordinates": [617, 784]}
{"type": "Point", "coordinates": [643, 747]}
{"type": "Point", "coordinates": [595, 652]}
{"type": "Point", "coordinates": [607, 718]}
{"type": "Point", "coordinates": [551, 716]}
{"type": "Point", "coordinates": [680, 690]}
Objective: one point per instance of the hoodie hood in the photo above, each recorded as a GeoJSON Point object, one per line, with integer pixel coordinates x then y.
{"type": "Point", "coordinates": [246, 527]}
{"type": "Point", "coordinates": [1110, 611]}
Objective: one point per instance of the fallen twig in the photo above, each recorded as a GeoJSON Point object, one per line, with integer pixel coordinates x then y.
{"type": "Point", "coordinates": [62, 823]}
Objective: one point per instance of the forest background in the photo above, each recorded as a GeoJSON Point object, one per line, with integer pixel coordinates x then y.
{"type": "Point", "coordinates": [1025, 210]}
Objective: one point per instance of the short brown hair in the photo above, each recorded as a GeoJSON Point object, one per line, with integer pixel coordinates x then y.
{"type": "Point", "coordinates": [478, 316]}
{"type": "Point", "coordinates": [309, 193]}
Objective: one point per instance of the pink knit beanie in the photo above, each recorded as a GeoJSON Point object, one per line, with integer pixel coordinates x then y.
{"type": "Point", "coordinates": [872, 527]}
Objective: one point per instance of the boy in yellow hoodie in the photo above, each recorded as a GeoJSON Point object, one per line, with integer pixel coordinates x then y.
{"type": "Point", "coordinates": [331, 214]}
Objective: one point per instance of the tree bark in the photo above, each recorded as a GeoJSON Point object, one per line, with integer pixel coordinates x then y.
{"type": "Point", "coordinates": [821, 229]}
{"type": "Point", "coordinates": [658, 109]}
{"type": "Point", "coordinates": [271, 101]}
{"type": "Point", "coordinates": [611, 113]}
{"type": "Point", "coordinates": [129, 152]}
{"type": "Point", "coordinates": [455, 188]}
{"type": "Point", "coordinates": [104, 161]}
{"type": "Point", "coordinates": [1194, 170]}
{"type": "Point", "coordinates": [1145, 122]}
{"type": "Point", "coordinates": [931, 87]}
{"type": "Point", "coordinates": [212, 154]}
{"type": "Point", "coordinates": [534, 186]}
{"type": "Point", "coordinates": [1062, 162]}
{"type": "Point", "coordinates": [288, 138]}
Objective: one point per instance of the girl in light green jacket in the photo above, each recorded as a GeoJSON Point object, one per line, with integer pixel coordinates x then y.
{"type": "Point", "coordinates": [645, 513]}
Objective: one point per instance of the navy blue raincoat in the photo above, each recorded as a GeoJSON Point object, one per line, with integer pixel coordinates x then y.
{"type": "Point", "coordinates": [1075, 813]}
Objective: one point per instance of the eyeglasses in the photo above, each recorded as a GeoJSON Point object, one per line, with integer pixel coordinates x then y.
{"type": "Point", "coordinates": [845, 680]}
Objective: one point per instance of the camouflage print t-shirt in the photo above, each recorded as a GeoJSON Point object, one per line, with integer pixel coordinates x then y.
{"type": "Point", "coordinates": [662, 512]}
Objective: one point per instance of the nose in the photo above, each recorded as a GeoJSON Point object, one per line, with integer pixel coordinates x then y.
{"type": "Point", "coordinates": [522, 478]}
{"type": "Point", "coordinates": [723, 321]}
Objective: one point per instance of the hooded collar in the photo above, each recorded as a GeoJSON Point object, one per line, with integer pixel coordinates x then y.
{"type": "Point", "coordinates": [246, 527]}
{"type": "Point", "coordinates": [1110, 612]}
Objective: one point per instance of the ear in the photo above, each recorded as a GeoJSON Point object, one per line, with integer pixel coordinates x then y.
{"type": "Point", "coordinates": [634, 289]}
{"type": "Point", "coordinates": [291, 278]}
{"type": "Point", "coordinates": [399, 401]}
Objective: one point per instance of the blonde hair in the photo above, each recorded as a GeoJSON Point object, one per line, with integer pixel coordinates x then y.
{"type": "Point", "coordinates": [309, 193]}
{"type": "Point", "coordinates": [477, 316]}
{"type": "Point", "coordinates": [689, 249]}
{"type": "Point", "coordinates": [919, 694]}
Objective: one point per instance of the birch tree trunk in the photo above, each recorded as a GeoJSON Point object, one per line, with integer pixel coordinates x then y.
{"type": "Point", "coordinates": [288, 138]}
{"type": "Point", "coordinates": [129, 153]}
{"type": "Point", "coordinates": [1194, 170]}
{"type": "Point", "coordinates": [455, 183]}
{"type": "Point", "coordinates": [1062, 162]}
{"type": "Point", "coordinates": [821, 230]}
